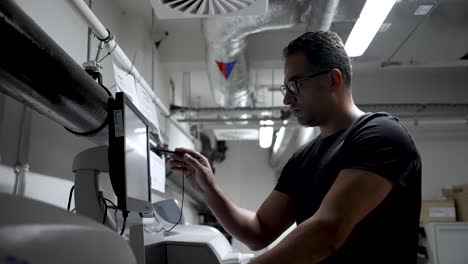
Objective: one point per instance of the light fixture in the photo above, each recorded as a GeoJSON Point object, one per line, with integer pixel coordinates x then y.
{"type": "Point", "coordinates": [140, 130]}
{"type": "Point", "coordinates": [279, 139]}
{"type": "Point", "coordinates": [437, 122]}
{"type": "Point", "coordinates": [423, 10]}
{"type": "Point", "coordinates": [367, 25]}
{"type": "Point", "coordinates": [267, 122]}
{"type": "Point", "coordinates": [265, 136]}
{"type": "Point", "coordinates": [384, 27]}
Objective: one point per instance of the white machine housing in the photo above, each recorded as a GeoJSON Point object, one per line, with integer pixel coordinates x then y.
{"type": "Point", "coordinates": [35, 232]}
{"type": "Point", "coordinates": [189, 244]}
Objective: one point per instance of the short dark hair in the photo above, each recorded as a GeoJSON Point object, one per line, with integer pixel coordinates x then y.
{"type": "Point", "coordinates": [323, 49]}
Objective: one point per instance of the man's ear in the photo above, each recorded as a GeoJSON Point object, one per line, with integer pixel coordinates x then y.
{"type": "Point", "coordinates": [336, 79]}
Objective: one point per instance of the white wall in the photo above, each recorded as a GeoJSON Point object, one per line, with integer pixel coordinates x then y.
{"type": "Point", "coordinates": [410, 85]}
{"type": "Point", "coordinates": [245, 176]}
{"type": "Point", "coordinates": [52, 148]}
{"type": "Point", "coordinates": [444, 152]}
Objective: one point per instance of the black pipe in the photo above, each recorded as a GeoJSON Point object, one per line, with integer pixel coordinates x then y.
{"type": "Point", "coordinates": [38, 73]}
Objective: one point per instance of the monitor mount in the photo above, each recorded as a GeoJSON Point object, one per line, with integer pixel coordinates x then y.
{"type": "Point", "coordinates": [89, 200]}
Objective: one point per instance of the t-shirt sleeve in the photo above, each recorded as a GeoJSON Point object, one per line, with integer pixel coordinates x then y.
{"type": "Point", "coordinates": [382, 146]}
{"type": "Point", "coordinates": [285, 181]}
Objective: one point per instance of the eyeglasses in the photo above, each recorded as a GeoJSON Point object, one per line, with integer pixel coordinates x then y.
{"type": "Point", "coordinates": [293, 85]}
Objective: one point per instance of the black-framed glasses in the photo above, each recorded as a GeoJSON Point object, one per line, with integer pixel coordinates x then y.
{"type": "Point", "coordinates": [293, 85]}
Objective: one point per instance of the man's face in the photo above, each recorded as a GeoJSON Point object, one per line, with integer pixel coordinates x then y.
{"type": "Point", "coordinates": [310, 103]}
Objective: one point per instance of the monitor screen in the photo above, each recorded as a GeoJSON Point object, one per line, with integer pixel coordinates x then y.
{"type": "Point", "coordinates": [129, 155]}
{"type": "Point", "coordinates": [136, 156]}
{"type": "Point", "coordinates": [157, 167]}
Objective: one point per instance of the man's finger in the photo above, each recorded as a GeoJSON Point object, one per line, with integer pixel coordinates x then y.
{"type": "Point", "coordinates": [177, 156]}
{"type": "Point", "coordinates": [192, 153]}
{"type": "Point", "coordinates": [186, 150]}
{"type": "Point", "coordinates": [193, 162]}
{"type": "Point", "coordinates": [177, 162]}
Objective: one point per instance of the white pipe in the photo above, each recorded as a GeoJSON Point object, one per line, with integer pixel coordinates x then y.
{"type": "Point", "coordinates": [101, 32]}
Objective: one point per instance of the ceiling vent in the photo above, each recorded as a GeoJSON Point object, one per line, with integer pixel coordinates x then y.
{"type": "Point", "coordinates": [174, 9]}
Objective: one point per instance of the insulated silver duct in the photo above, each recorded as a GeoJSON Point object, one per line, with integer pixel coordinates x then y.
{"type": "Point", "coordinates": [226, 42]}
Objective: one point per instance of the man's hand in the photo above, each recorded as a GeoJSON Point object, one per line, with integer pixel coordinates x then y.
{"type": "Point", "coordinates": [256, 229]}
{"type": "Point", "coordinates": [195, 168]}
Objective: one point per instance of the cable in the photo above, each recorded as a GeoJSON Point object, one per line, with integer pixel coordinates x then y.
{"type": "Point", "coordinates": [92, 132]}
{"type": "Point", "coordinates": [106, 208]}
{"type": "Point", "coordinates": [104, 217]}
{"type": "Point", "coordinates": [70, 197]}
{"type": "Point", "coordinates": [133, 63]}
{"type": "Point", "coordinates": [101, 127]}
{"type": "Point", "coordinates": [125, 215]}
{"type": "Point", "coordinates": [104, 123]}
{"type": "Point", "coordinates": [110, 202]}
{"type": "Point", "coordinates": [108, 53]}
{"type": "Point", "coordinates": [116, 220]}
{"type": "Point", "coordinates": [181, 207]}
{"type": "Point", "coordinates": [97, 76]}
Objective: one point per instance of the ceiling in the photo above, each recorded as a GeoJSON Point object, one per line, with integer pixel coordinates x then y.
{"type": "Point", "coordinates": [439, 36]}
{"type": "Point", "coordinates": [436, 37]}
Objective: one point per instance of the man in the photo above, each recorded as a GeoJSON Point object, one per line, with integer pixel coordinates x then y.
{"type": "Point", "coordinates": [354, 191]}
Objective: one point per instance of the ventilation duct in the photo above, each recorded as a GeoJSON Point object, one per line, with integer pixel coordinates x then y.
{"type": "Point", "coordinates": [169, 9]}
{"type": "Point", "coordinates": [226, 43]}
{"type": "Point", "coordinates": [226, 39]}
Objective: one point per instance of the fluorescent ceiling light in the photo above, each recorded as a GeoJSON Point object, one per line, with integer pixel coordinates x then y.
{"type": "Point", "coordinates": [265, 136]}
{"type": "Point", "coordinates": [423, 10]}
{"type": "Point", "coordinates": [267, 122]}
{"type": "Point", "coordinates": [367, 25]}
{"type": "Point", "coordinates": [140, 130]}
{"type": "Point", "coordinates": [236, 134]}
{"type": "Point", "coordinates": [384, 27]}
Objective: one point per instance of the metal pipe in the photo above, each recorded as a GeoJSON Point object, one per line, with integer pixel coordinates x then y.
{"type": "Point", "coordinates": [21, 163]}
{"type": "Point", "coordinates": [222, 110]}
{"type": "Point", "coordinates": [244, 121]}
{"type": "Point", "coordinates": [121, 58]}
{"type": "Point", "coordinates": [402, 107]}
{"type": "Point", "coordinates": [211, 115]}
{"type": "Point", "coordinates": [50, 81]}
{"type": "Point", "coordinates": [88, 51]}
{"type": "Point", "coordinates": [233, 119]}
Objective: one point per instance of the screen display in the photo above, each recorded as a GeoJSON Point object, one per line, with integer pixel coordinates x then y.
{"type": "Point", "coordinates": [157, 168]}
{"type": "Point", "coordinates": [136, 156]}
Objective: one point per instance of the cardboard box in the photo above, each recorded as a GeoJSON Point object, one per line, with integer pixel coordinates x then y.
{"type": "Point", "coordinates": [438, 211]}
{"type": "Point", "coordinates": [460, 195]}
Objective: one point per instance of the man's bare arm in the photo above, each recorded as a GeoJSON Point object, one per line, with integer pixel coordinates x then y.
{"type": "Point", "coordinates": [255, 229]}
{"type": "Point", "coordinates": [353, 196]}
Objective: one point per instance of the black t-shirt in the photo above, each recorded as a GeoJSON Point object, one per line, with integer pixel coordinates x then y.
{"type": "Point", "coordinates": [376, 142]}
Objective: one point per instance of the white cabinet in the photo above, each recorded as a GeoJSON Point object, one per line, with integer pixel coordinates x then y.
{"type": "Point", "coordinates": [447, 243]}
